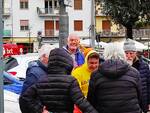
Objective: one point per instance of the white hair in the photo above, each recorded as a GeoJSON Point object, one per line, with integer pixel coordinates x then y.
{"type": "Point", "coordinates": [114, 51]}
{"type": "Point", "coordinates": [44, 50]}
{"type": "Point", "coordinates": [73, 35]}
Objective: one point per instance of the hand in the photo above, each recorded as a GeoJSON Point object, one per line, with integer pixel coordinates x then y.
{"type": "Point", "coordinates": [44, 110]}
{"type": "Point", "coordinates": [149, 107]}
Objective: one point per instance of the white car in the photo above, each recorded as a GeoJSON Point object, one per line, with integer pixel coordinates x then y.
{"type": "Point", "coordinates": [18, 64]}
{"type": "Point", "coordinates": [11, 102]}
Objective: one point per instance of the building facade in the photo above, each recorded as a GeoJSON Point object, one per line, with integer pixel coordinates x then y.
{"type": "Point", "coordinates": [26, 20]}
{"type": "Point", "coordinates": [107, 29]}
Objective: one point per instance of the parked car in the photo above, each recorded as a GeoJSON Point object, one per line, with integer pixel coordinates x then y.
{"type": "Point", "coordinates": [11, 83]}
{"type": "Point", "coordinates": [11, 102]}
{"type": "Point", "coordinates": [12, 89]}
{"type": "Point", "coordinates": [18, 64]}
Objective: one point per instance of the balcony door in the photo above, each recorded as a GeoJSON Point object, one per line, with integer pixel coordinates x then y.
{"type": "Point", "coordinates": [50, 5]}
{"type": "Point", "coordinates": [49, 28]}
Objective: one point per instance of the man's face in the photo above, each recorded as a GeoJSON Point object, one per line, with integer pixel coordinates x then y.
{"type": "Point", "coordinates": [73, 43]}
{"type": "Point", "coordinates": [93, 64]}
{"type": "Point", "coordinates": [130, 55]}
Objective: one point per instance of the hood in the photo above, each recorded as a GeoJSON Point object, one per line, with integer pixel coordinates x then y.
{"type": "Point", "coordinates": [114, 68]}
{"type": "Point", "coordinates": [85, 65]}
{"type": "Point", "coordinates": [60, 62]}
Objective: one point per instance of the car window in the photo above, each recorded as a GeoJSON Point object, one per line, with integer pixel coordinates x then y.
{"type": "Point", "coordinates": [7, 81]}
{"type": "Point", "coordinates": [11, 63]}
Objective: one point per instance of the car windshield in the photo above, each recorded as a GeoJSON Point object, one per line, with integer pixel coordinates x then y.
{"type": "Point", "coordinates": [7, 81]}
{"type": "Point", "coordinates": [10, 63]}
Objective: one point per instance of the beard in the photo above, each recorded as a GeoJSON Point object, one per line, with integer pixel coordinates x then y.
{"type": "Point", "coordinates": [130, 62]}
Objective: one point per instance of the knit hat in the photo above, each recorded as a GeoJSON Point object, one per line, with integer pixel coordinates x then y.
{"type": "Point", "coordinates": [129, 45]}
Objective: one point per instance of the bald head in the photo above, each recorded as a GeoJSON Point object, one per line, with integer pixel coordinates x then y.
{"type": "Point", "coordinates": [73, 42]}
{"type": "Point", "coordinates": [73, 36]}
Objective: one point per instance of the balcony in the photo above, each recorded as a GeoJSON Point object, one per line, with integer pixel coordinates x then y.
{"type": "Point", "coordinates": [47, 12]}
{"type": "Point", "coordinates": [6, 12]}
{"type": "Point", "coordinates": [108, 33]}
{"type": "Point", "coordinates": [51, 33]}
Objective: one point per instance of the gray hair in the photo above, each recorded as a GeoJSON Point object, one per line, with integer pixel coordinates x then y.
{"type": "Point", "coordinates": [73, 35]}
{"type": "Point", "coordinates": [114, 51]}
{"type": "Point", "coordinates": [44, 50]}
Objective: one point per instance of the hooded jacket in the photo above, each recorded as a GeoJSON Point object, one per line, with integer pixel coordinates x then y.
{"type": "Point", "coordinates": [58, 91]}
{"type": "Point", "coordinates": [115, 88]}
{"type": "Point", "coordinates": [83, 74]}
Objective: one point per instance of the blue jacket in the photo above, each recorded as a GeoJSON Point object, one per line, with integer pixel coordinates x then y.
{"type": "Point", "coordinates": [79, 57]}
{"type": "Point", "coordinates": [35, 70]}
{"type": "Point", "coordinates": [143, 68]}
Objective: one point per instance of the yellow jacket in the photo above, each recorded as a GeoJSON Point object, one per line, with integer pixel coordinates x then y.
{"type": "Point", "coordinates": [82, 74]}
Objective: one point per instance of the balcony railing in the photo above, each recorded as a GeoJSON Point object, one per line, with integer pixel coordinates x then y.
{"type": "Point", "coordinates": [6, 12]}
{"type": "Point", "coordinates": [48, 11]}
{"type": "Point", "coordinates": [51, 33]}
{"type": "Point", "coordinates": [108, 33]}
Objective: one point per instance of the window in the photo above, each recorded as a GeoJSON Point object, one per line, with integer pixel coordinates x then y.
{"type": "Point", "coordinates": [24, 25]}
{"type": "Point", "coordinates": [57, 25]}
{"type": "Point", "coordinates": [11, 63]}
{"type": "Point", "coordinates": [77, 4]}
{"type": "Point", "coordinates": [106, 25]}
{"type": "Point", "coordinates": [23, 4]}
{"type": "Point", "coordinates": [56, 4]}
{"type": "Point", "coordinates": [78, 25]}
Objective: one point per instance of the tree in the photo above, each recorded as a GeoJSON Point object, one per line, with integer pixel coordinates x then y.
{"type": "Point", "coordinates": [127, 12]}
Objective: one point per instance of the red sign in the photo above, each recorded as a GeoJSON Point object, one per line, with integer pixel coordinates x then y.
{"type": "Point", "coordinates": [12, 49]}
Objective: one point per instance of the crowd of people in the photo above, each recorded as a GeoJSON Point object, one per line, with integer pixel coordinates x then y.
{"type": "Point", "coordinates": [68, 80]}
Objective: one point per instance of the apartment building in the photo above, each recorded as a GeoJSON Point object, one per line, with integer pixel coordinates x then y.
{"type": "Point", "coordinates": [24, 20]}
{"type": "Point", "coordinates": [106, 27]}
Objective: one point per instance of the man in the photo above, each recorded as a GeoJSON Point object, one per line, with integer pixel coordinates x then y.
{"type": "Point", "coordinates": [35, 71]}
{"type": "Point", "coordinates": [58, 91]}
{"type": "Point", "coordinates": [73, 48]}
{"type": "Point", "coordinates": [83, 72]}
{"type": "Point", "coordinates": [115, 87]}
{"type": "Point", "coordinates": [143, 68]}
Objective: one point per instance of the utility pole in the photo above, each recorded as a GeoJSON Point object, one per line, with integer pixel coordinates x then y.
{"type": "Point", "coordinates": [1, 59]}
{"type": "Point", "coordinates": [93, 23]}
{"type": "Point", "coordinates": [63, 24]}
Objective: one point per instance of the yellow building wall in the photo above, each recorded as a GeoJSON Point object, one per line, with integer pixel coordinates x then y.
{"type": "Point", "coordinates": [20, 40]}
{"type": "Point", "coordinates": [99, 20]}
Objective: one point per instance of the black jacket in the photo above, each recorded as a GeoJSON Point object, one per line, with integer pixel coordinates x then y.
{"type": "Point", "coordinates": [143, 68]}
{"type": "Point", "coordinates": [115, 88]}
{"type": "Point", "coordinates": [58, 91]}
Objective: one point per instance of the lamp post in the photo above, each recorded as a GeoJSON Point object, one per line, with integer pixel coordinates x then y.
{"type": "Point", "coordinates": [39, 38]}
{"type": "Point", "coordinates": [93, 23]}
{"type": "Point", "coordinates": [1, 61]}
